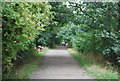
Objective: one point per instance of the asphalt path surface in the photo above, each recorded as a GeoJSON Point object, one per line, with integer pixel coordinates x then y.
{"type": "Point", "coordinates": [59, 64]}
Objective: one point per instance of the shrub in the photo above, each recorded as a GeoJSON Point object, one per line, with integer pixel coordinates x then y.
{"type": "Point", "coordinates": [21, 23]}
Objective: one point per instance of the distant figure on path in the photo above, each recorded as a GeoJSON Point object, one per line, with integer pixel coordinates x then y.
{"type": "Point", "coordinates": [63, 44]}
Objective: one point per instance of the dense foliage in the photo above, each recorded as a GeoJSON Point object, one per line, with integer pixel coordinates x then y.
{"type": "Point", "coordinates": [21, 23]}
{"type": "Point", "coordinates": [88, 27]}
{"type": "Point", "coordinates": [62, 16]}
{"type": "Point", "coordinates": [95, 29]}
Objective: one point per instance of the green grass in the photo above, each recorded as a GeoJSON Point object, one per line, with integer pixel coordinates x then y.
{"type": "Point", "coordinates": [25, 69]}
{"type": "Point", "coordinates": [95, 66]}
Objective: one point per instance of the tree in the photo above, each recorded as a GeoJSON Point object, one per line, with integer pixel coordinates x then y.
{"type": "Point", "coordinates": [22, 22]}
{"type": "Point", "coordinates": [99, 23]}
{"type": "Point", "coordinates": [62, 15]}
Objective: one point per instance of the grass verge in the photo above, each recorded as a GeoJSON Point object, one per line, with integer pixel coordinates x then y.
{"type": "Point", "coordinates": [95, 66]}
{"type": "Point", "coordinates": [25, 68]}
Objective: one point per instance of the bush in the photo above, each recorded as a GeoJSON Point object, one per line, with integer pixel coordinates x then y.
{"type": "Point", "coordinates": [22, 22]}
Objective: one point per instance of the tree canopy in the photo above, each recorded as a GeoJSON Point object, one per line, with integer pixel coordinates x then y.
{"type": "Point", "coordinates": [85, 26]}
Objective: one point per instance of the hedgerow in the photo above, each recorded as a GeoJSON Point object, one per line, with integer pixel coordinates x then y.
{"type": "Point", "coordinates": [21, 23]}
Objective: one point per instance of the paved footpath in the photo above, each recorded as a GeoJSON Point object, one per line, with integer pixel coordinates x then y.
{"type": "Point", "coordinates": [58, 64]}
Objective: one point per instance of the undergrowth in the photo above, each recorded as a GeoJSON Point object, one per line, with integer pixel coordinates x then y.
{"type": "Point", "coordinates": [96, 66]}
{"type": "Point", "coordinates": [24, 69]}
